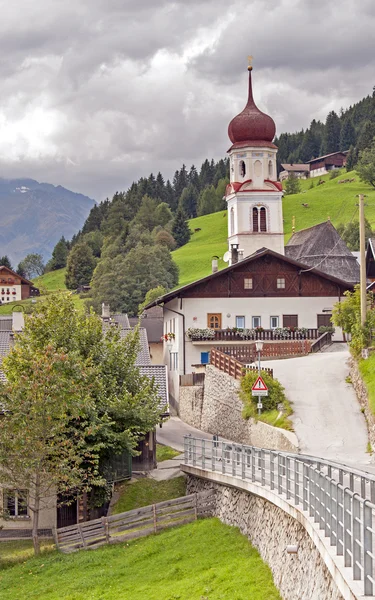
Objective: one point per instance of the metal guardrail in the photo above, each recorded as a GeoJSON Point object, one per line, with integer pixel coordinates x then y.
{"type": "Point", "coordinates": [340, 500]}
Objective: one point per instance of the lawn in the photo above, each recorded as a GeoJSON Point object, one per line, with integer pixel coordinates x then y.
{"type": "Point", "coordinates": [165, 453]}
{"type": "Point", "coordinates": [13, 552]}
{"type": "Point", "coordinates": [148, 491]}
{"type": "Point", "coordinates": [200, 561]}
{"type": "Point", "coordinates": [52, 281]}
{"type": "Point", "coordinates": [367, 370]}
{"type": "Point", "coordinates": [333, 200]}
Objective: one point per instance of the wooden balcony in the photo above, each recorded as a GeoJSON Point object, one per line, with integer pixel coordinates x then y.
{"type": "Point", "coordinates": [267, 335]}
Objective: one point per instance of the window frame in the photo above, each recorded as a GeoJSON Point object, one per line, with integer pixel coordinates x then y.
{"type": "Point", "coordinates": [280, 283]}
{"type": "Point", "coordinates": [244, 321]}
{"type": "Point", "coordinates": [278, 321]}
{"type": "Point", "coordinates": [251, 284]}
{"type": "Point", "coordinates": [16, 493]}
{"type": "Point", "coordinates": [290, 317]}
{"type": "Point", "coordinates": [213, 316]}
{"type": "Point", "coordinates": [252, 321]}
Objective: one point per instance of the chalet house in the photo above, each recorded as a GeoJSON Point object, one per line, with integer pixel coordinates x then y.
{"type": "Point", "coordinates": [13, 287]}
{"type": "Point", "coordinates": [266, 291]}
{"type": "Point", "coordinates": [301, 171]}
{"type": "Point", "coordinates": [323, 164]}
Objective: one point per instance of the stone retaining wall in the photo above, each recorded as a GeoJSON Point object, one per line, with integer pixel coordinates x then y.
{"type": "Point", "coordinates": [362, 395]}
{"type": "Point", "coordinates": [301, 576]}
{"type": "Point", "coordinates": [217, 409]}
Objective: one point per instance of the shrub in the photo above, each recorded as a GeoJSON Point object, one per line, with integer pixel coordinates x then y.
{"type": "Point", "coordinates": [276, 394]}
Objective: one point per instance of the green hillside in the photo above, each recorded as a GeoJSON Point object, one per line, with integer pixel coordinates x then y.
{"type": "Point", "coordinates": [52, 281]}
{"type": "Point", "coordinates": [205, 559]}
{"type": "Point", "coordinates": [331, 199]}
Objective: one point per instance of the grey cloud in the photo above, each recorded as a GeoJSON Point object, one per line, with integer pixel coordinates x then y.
{"type": "Point", "coordinates": [119, 100]}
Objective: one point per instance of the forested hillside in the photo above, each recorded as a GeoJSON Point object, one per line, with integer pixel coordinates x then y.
{"type": "Point", "coordinates": [124, 248]}
{"type": "Point", "coordinates": [353, 129]}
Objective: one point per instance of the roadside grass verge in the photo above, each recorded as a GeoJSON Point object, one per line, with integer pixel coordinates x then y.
{"type": "Point", "coordinates": [148, 491]}
{"type": "Point", "coordinates": [367, 370]}
{"type": "Point", "coordinates": [165, 453]}
{"type": "Point", "coordinates": [205, 559]}
{"type": "Point", "coordinates": [278, 418]}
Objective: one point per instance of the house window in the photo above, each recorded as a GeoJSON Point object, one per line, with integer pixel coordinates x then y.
{"type": "Point", "coordinates": [290, 320]}
{"type": "Point", "coordinates": [274, 322]}
{"type": "Point", "coordinates": [259, 219]}
{"type": "Point", "coordinates": [240, 322]}
{"type": "Point", "coordinates": [248, 284]}
{"type": "Point", "coordinates": [15, 503]}
{"type": "Point", "coordinates": [205, 358]}
{"type": "Point", "coordinates": [256, 322]}
{"type": "Point", "coordinates": [324, 320]}
{"type": "Point", "coordinates": [242, 168]}
{"type": "Point", "coordinates": [281, 283]}
{"type": "Point", "coordinates": [214, 320]}
{"type": "Point", "coordinates": [173, 361]}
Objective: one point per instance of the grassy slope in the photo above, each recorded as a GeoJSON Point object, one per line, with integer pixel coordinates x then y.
{"type": "Point", "coordinates": [205, 559]}
{"type": "Point", "coordinates": [367, 370]}
{"type": "Point", "coordinates": [334, 200]}
{"type": "Point", "coordinates": [52, 281]}
{"type": "Point", "coordinates": [148, 491]}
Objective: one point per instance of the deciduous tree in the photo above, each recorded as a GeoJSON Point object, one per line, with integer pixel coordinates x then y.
{"type": "Point", "coordinates": [80, 266]}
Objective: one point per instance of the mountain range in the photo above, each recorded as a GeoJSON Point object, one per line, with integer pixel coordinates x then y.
{"type": "Point", "coordinates": [35, 215]}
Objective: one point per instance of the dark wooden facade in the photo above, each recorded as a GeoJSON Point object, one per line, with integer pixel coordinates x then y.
{"type": "Point", "coordinates": [266, 271]}
{"type": "Point", "coordinates": [336, 160]}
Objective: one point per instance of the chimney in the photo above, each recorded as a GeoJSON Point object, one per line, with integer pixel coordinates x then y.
{"type": "Point", "coordinates": [18, 321]}
{"type": "Point", "coordinates": [234, 253]}
{"type": "Point", "coordinates": [105, 311]}
{"type": "Point", "coordinates": [215, 264]}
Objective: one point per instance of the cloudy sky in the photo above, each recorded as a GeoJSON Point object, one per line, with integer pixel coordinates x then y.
{"type": "Point", "coordinates": [96, 93]}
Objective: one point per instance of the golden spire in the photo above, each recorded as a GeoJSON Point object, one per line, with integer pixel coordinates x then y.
{"type": "Point", "coordinates": [329, 218]}
{"type": "Point", "coordinates": [293, 224]}
{"type": "Point", "coordinates": [250, 59]}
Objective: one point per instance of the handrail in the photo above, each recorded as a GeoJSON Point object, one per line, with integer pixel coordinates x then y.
{"type": "Point", "coordinates": [323, 340]}
{"type": "Point", "coordinates": [339, 499]}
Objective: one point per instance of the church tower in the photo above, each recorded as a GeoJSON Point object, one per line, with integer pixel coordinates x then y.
{"type": "Point", "coordinates": [255, 218]}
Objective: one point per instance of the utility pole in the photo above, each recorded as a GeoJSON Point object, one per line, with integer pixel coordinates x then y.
{"type": "Point", "coordinates": [362, 251]}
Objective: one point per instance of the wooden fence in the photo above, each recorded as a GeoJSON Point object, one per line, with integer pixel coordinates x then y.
{"type": "Point", "coordinates": [136, 523]}
{"type": "Point", "coordinates": [232, 366]}
{"type": "Point", "coordinates": [192, 379]}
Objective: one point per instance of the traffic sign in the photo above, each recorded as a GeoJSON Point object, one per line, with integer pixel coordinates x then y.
{"type": "Point", "coordinates": [259, 388]}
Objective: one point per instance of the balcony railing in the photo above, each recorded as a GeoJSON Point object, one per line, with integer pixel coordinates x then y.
{"type": "Point", "coordinates": [272, 335]}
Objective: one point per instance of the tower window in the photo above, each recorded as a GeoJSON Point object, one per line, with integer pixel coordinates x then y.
{"type": "Point", "coordinates": [270, 169]}
{"type": "Point", "coordinates": [259, 219]}
{"type": "Point", "coordinates": [242, 168]}
{"type": "Point", "coordinates": [232, 221]}
{"type": "Point", "coordinates": [263, 219]}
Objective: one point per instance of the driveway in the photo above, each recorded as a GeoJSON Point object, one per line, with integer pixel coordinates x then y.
{"type": "Point", "coordinates": [327, 416]}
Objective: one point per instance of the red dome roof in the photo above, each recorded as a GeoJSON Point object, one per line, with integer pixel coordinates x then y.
{"type": "Point", "coordinates": [251, 125]}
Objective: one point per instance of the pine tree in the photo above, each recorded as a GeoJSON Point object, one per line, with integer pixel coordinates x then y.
{"type": "Point", "coordinates": [188, 201]}
{"type": "Point", "coordinates": [351, 158]}
{"type": "Point", "coordinates": [331, 139]}
{"type": "Point", "coordinates": [193, 177]}
{"type": "Point", "coordinates": [180, 229]}
{"type": "Point", "coordinates": [207, 202]}
{"type": "Point", "coordinates": [59, 255]}
{"type": "Point", "coordinates": [347, 135]}
{"type": "Point", "coordinates": [367, 136]}
{"type": "Point", "coordinates": [5, 262]}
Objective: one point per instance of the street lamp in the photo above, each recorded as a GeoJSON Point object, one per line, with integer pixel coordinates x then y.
{"type": "Point", "coordinates": [259, 348]}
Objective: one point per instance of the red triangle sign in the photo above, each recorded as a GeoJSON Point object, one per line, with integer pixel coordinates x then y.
{"type": "Point", "coordinates": [259, 385]}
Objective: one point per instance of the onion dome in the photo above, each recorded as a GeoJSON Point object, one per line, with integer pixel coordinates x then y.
{"type": "Point", "coordinates": [251, 125]}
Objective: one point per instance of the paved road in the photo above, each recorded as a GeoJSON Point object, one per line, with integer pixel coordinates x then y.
{"type": "Point", "coordinates": [327, 417]}
{"type": "Point", "coordinates": [173, 431]}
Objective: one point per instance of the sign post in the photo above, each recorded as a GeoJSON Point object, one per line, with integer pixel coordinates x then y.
{"type": "Point", "coordinates": [259, 389]}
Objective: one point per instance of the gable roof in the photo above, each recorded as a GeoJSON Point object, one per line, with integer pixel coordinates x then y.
{"type": "Point", "coordinates": [295, 167]}
{"type": "Point", "coordinates": [8, 270]}
{"type": "Point", "coordinates": [258, 254]}
{"type": "Point", "coordinates": [345, 152]}
{"type": "Point", "coordinates": [322, 247]}
{"type": "Point", "coordinates": [143, 357]}
{"type": "Point", "coordinates": [160, 376]}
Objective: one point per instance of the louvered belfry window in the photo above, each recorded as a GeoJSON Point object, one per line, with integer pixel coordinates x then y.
{"type": "Point", "coordinates": [259, 219]}
{"type": "Point", "coordinates": [263, 219]}
{"type": "Point", "coordinates": [255, 219]}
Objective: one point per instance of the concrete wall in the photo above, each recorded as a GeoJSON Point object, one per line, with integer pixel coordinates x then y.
{"type": "Point", "coordinates": [216, 408]}
{"type": "Point", "coordinates": [302, 576]}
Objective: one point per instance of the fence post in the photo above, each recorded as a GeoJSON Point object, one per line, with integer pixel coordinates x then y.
{"type": "Point", "coordinates": [340, 521]}
{"type": "Point", "coordinates": [347, 529]}
{"type": "Point", "coordinates": [106, 528]}
{"type": "Point", "coordinates": [155, 519]}
{"type": "Point", "coordinates": [196, 506]}
{"type": "Point", "coordinates": [367, 550]}
{"type": "Point", "coordinates": [272, 470]}
{"type": "Point", "coordinates": [243, 465]}
{"type": "Point", "coordinates": [356, 536]}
